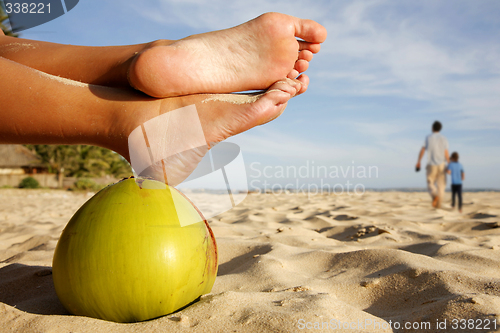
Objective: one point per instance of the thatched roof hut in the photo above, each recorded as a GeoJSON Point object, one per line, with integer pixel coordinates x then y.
{"type": "Point", "coordinates": [14, 158]}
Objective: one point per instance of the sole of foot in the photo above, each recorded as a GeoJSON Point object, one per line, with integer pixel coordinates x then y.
{"type": "Point", "coordinates": [251, 56]}
{"type": "Point", "coordinates": [174, 144]}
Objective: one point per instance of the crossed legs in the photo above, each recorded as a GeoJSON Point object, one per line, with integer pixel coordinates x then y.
{"type": "Point", "coordinates": [49, 95]}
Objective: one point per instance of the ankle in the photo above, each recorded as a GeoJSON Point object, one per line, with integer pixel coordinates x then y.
{"type": "Point", "coordinates": [125, 117]}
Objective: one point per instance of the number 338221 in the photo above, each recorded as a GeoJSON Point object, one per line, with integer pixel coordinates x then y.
{"type": "Point", "coordinates": [27, 8]}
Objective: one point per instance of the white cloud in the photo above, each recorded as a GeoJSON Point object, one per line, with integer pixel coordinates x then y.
{"type": "Point", "coordinates": [218, 14]}
{"type": "Point", "coordinates": [277, 144]}
{"type": "Point", "coordinates": [410, 56]}
{"type": "Point", "coordinates": [376, 149]}
{"type": "Point", "coordinates": [377, 51]}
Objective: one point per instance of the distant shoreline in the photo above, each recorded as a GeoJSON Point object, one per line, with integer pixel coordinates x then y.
{"type": "Point", "coordinates": [224, 191]}
{"type": "Point", "coordinates": [404, 189]}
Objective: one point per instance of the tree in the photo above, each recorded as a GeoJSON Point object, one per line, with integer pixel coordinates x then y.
{"type": "Point", "coordinates": [82, 160]}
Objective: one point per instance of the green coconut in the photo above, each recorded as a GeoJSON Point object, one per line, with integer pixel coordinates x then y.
{"type": "Point", "coordinates": [132, 254]}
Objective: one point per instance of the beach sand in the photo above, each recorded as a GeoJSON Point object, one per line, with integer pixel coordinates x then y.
{"type": "Point", "coordinates": [287, 262]}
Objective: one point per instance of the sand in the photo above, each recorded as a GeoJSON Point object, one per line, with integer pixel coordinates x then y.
{"type": "Point", "coordinates": [288, 262]}
{"type": "Point", "coordinates": [241, 98]}
{"type": "Point", "coordinates": [236, 98]}
{"type": "Point", "coordinates": [63, 80]}
{"type": "Point", "coordinates": [16, 47]}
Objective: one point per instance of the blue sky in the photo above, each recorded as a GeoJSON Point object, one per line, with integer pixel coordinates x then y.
{"type": "Point", "coordinates": [387, 70]}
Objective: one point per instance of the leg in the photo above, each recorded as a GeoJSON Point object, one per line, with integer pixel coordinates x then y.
{"type": "Point", "coordinates": [42, 109]}
{"type": "Point", "coordinates": [95, 65]}
{"type": "Point", "coordinates": [262, 51]}
{"type": "Point", "coordinates": [431, 172]}
{"type": "Point", "coordinates": [441, 183]}
{"type": "Point", "coordinates": [51, 110]}
{"type": "Point", "coordinates": [250, 56]}
{"type": "Point", "coordinates": [459, 192]}
{"type": "Point", "coordinates": [453, 193]}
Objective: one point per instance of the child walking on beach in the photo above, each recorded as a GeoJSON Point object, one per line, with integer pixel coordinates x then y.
{"type": "Point", "coordinates": [456, 170]}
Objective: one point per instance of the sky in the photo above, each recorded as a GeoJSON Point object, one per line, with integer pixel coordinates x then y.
{"type": "Point", "coordinates": [386, 72]}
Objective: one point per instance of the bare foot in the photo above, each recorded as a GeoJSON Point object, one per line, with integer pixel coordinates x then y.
{"type": "Point", "coordinates": [168, 140]}
{"type": "Point", "coordinates": [250, 56]}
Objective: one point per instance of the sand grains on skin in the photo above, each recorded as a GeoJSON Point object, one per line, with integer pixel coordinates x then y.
{"type": "Point", "coordinates": [64, 80]}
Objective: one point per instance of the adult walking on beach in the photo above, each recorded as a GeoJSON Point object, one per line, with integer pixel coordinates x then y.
{"type": "Point", "coordinates": [437, 158]}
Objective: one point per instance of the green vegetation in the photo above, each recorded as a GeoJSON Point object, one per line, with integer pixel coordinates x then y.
{"type": "Point", "coordinates": [29, 182]}
{"type": "Point", "coordinates": [82, 161]}
{"type": "Point", "coordinates": [85, 184]}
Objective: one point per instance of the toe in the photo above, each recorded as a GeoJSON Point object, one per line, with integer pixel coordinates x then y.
{"type": "Point", "coordinates": [301, 65]}
{"type": "Point", "coordinates": [310, 31]}
{"type": "Point", "coordinates": [272, 104]}
{"type": "Point", "coordinates": [288, 86]}
{"type": "Point", "coordinates": [312, 47]}
{"type": "Point", "coordinates": [306, 55]}
{"type": "Point", "coordinates": [304, 83]}
{"type": "Point", "coordinates": [275, 99]}
{"type": "Point", "coordinates": [293, 74]}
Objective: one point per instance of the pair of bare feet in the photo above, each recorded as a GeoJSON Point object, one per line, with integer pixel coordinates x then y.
{"type": "Point", "coordinates": [267, 53]}
{"type": "Point", "coordinates": [436, 203]}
